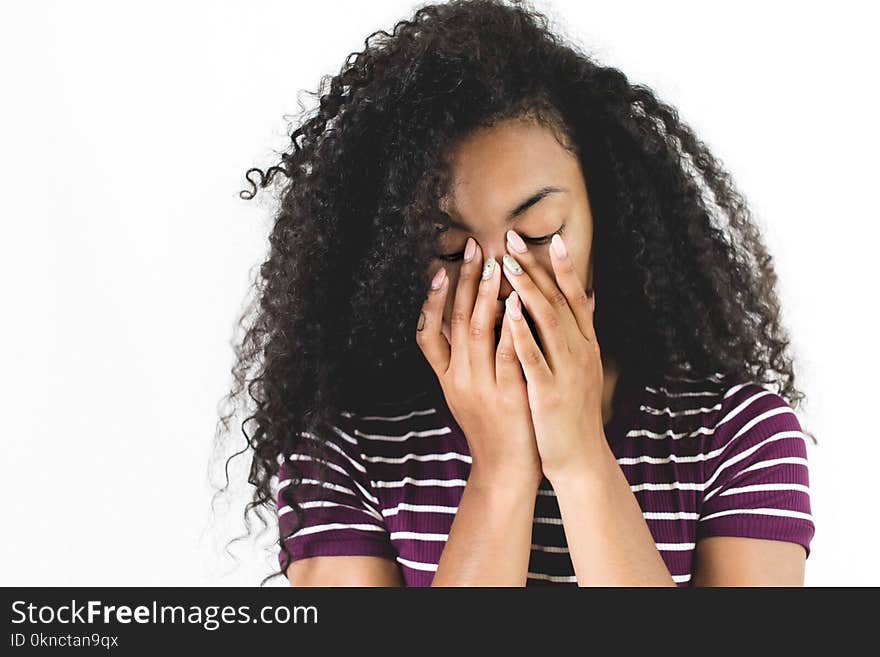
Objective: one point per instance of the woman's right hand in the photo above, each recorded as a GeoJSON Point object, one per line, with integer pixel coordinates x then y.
{"type": "Point", "coordinates": [484, 387]}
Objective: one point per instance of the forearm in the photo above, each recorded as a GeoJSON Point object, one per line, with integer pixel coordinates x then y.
{"type": "Point", "coordinates": [490, 539]}
{"type": "Point", "coordinates": [608, 539]}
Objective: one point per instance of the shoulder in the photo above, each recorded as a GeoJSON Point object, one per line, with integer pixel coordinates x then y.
{"type": "Point", "coordinates": [756, 473]}
{"type": "Point", "coordinates": [751, 412]}
{"type": "Point", "coordinates": [716, 407]}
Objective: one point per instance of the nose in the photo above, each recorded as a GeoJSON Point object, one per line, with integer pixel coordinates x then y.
{"type": "Point", "coordinates": [505, 288]}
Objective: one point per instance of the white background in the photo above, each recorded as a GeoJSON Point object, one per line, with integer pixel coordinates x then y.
{"type": "Point", "coordinates": [127, 253]}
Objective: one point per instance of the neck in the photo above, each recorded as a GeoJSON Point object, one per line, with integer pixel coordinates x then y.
{"type": "Point", "coordinates": [611, 376]}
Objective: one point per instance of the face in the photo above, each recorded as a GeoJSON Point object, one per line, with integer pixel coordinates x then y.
{"type": "Point", "coordinates": [494, 171]}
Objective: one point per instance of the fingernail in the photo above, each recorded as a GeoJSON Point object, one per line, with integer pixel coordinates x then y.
{"type": "Point", "coordinates": [558, 246]}
{"type": "Point", "coordinates": [437, 281]}
{"type": "Point", "coordinates": [513, 307]}
{"type": "Point", "coordinates": [470, 249]}
{"type": "Point", "coordinates": [592, 299]}
{"type": "Point", "coordinates": [516, 242]}
{"type": "Point", "coordinates": [512, 265]}
{"type": "Point", "coordinates": [488, 268]}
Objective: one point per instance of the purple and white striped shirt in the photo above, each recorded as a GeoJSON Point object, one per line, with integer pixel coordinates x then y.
{"type": "Point", "coordinates": [703, 457]}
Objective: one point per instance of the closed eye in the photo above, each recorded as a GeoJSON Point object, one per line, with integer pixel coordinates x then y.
{"type": "Point", "coordinates": [452, 257]}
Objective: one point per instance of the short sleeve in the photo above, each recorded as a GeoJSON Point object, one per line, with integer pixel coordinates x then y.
{"type": "Point", "coordinates": [757, 482]}
{"type": "Point", "coordinates": [340, 514]}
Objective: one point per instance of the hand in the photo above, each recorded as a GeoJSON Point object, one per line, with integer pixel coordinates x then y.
{"type": "Point", "coordinates": [564, 381]}
{"type": "Point", "coordinates": [484, 387]}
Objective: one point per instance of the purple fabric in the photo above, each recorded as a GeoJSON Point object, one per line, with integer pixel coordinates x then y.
{"type": "Point", "coordinates": [704, 458]}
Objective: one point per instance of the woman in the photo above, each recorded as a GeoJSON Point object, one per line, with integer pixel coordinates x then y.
{"type": "Point", "coordinates": [517, 327]}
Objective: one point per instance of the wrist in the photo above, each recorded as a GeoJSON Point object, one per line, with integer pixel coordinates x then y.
{"type": "Point", "coordinates": [589, 464]}
{"type": "Point", "coordinates": [501, 480]}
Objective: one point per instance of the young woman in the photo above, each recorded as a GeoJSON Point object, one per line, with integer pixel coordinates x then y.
{"type": "Point", "coordinates": [517, 327]}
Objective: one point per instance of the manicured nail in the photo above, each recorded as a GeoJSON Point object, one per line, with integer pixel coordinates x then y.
{"type": "Point", "coordinates": [516, 242]}
{"type": "Point", "coordinates": [512, 265]}
{"type": "Point", "coordinates": [558, 246]}
{"type": "Point", "coordinates": [593, 299]}
{"type": "Point", "coordinates": [513, 307]}
{"type": "Point", "coordinates": [437, 281]}
{"type": "Point", "coordinates": [488, 268]}
{"type": "Point", "coordinates": [470, 249]}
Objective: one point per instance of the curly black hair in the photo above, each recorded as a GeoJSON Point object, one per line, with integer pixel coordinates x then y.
{"type": "Point", "coordinates": [686, 283]}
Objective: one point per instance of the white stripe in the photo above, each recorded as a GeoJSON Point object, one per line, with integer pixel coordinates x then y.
{"type": "Point", "coordinates": [344, 435]}
{"type": "Point", "coordinates": [336, 525]}
{"type": "Point", "coordinates": [340, 432]}
{"type": "Point", "coordinates": [419, 536]}
{"type": "Point", "coordinates": [419, 508]}
{"type": "Point", "coordinates": [739, 409]}
{"type": "Point", "coordinates": [717, 376]}
{"type": "Point", "coordinates": [690, 411]}
{"type": "Point", "coordinates": [662, 547]}
{"type": "Point", "coordinates": [447, 456]}
{"type": "Point", "coordinates": [324, 484]}
{"type": "Point", "coordinates": [333, 466]}
{"type": "Point", "coordinates": [341, 489]}
{"type": "Point", "coordinates": [368, 495]}
{"type": "Point", "coordinates": [736, 458]}
{"type": "Point", "coordinates": [419, 434]}
{"type": "Point", "coordinates": [548, 521]}
{"type": "Point", "coordinates": [339, 450]}
{"type": "Point", "coordinates": [447, 483]}
{"type": "Point", "coordinates": [675, 547]}
{"type": "Point", "coordinates": [418, 565]}
{"type": "Point", "coordinates": [796, 460]}
{"type": "Point", "coordinates": [545, 491]}
{"type": "Point", "coordinates": [635, 433]}
{"type": "Point", "coordinates": [681, 578]}
{"type": "Point", "coordinates": [325, 503]}
{"type": "Point", "coordinates": [734, 389]}
{"type": "Point", "coordinates": [675, 485]}
{"type": "Point", "coordinates": [322, 439]}
{"type": "Point", "coordinates": [553, 578]}
{"type": "Point", "coordinates": [783, 513]}
{"type": "Point", "coordinates": [398, 418]}
{"type": "Point", "coordinates": [329, 464]}
{"type": "Point", "coordinates": [674, 458]}
{"type": "Point", "coordinates": [670, 515]}
{"type": "Point", "coordinates": [550, 548]}
{"type": "Point", "coordinates": [668, 393]}
{"type": "Point", "coordinates": [759, 487]}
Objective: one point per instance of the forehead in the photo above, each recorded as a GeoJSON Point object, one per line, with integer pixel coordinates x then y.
{"type": "Point", "coordinates": [494, 166]}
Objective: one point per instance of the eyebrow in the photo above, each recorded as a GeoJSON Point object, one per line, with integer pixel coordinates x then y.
{"type": "Point", "coordinates": [518, 210]}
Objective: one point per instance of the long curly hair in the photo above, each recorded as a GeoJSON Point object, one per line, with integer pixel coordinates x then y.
{"type": "Point", "coordinates": [685, 282]}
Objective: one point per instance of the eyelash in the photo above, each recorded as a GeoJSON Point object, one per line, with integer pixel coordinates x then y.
{"type": "Point", "coordinates": [452, 257]}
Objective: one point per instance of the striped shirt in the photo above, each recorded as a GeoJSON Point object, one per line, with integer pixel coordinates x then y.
{"type": "Point", "coordinates": [703, 457]}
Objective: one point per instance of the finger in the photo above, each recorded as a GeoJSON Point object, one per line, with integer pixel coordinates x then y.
{"type": "Point", "coordinates": [428, 336]}
{"type": "Point", "coordinates": [529, 354]}
{"type": "Point", "coordinates": [481, 336]}
{"type": "Point", "coordinates": [463, 304]}
{"type": "Point", "coordinates": [551, 329]}
{"type": "Point", "coordinates": [508, 371]}
{"type": "Point", "coordinates": [544, 280]}
{"type": "Point", "coordinates": [569, 282]}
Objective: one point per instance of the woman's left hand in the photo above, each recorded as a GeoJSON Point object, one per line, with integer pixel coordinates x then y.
{"type": "Point", "coordinates": [565, 380]}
